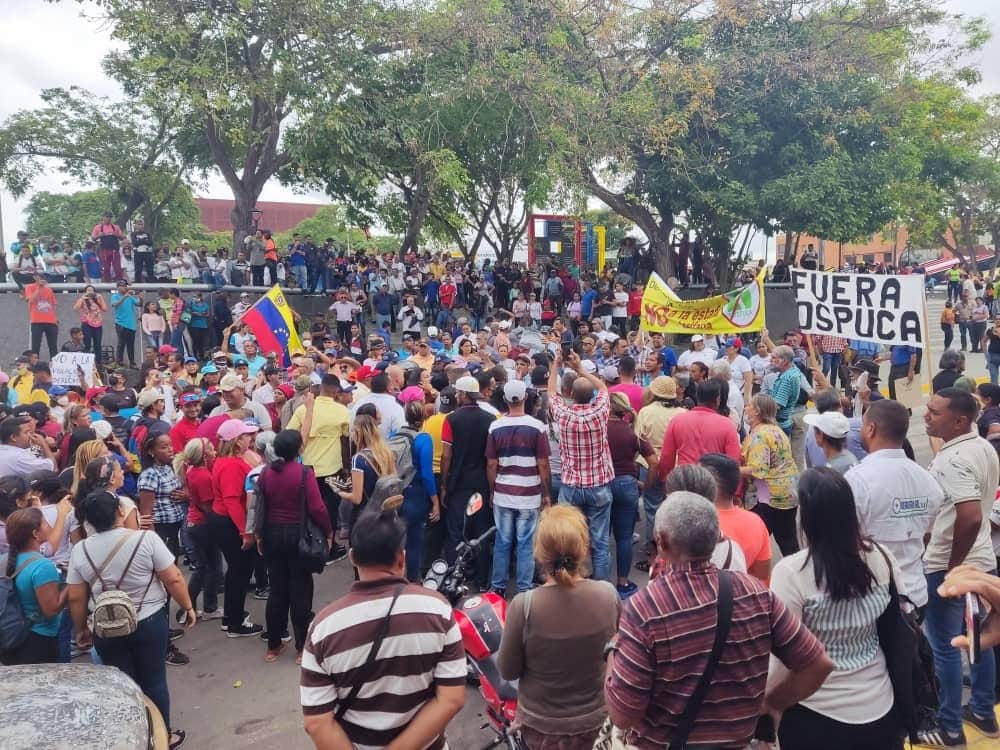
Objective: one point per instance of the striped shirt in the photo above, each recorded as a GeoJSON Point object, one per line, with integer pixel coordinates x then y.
{"type": "Point", "coordinates": [422, 649]}
{"type": "Point", "coordinates": [516, 444]}
{"type": "Point", "coordinates": [665, 636]}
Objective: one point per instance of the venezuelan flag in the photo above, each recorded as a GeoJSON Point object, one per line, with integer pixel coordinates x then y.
{"type": "Point", "coordinates": [273, 326]}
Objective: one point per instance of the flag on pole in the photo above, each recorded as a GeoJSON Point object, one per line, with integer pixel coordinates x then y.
{"type": "Point", "coordinates": [273, 325]}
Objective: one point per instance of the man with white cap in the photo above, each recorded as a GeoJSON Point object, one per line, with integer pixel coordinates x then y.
{"type": "Point", "coordinates": [830, 430]}
{"type": "Point", "coordinates": [517, 467]}
{"type": "Point", "coordinates": [234, 398]}
{"type": "Point", "coordinates": [463, 472]}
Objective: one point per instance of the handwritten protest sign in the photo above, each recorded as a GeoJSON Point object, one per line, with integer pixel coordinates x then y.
{"type": "Point", "coordinates": [64, 368]}
{"type": "Point", "coordinates": [738, 311]}
{"type": "Point", "coordinates": [884, 309]}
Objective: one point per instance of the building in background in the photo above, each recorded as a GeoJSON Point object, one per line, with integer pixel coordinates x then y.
{"type": "Point", "coordinates": [278, 217]}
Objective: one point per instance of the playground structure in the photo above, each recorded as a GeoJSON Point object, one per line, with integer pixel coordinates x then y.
{"type": "Point", "coordinates": [566, 240]}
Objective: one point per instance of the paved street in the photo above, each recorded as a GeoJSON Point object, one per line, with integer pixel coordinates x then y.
{"type": "Point", "coordinates": [228, 697]}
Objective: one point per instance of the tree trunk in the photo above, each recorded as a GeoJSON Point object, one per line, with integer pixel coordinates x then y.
{"type": "Point", "coordinates": [664, 262]}
{"type": "Point", "coordinates": [788, 252]}
{"type": "Point", "coordinates": [995, 236]}
{"type": "Point", "coordinates": [419, 202]}
{"type": "Point", "coordinates": [241, 217]}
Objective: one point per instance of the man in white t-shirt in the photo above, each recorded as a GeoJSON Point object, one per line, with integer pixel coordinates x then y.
{"type": "Point", "coordinates": [697, 353]}
{"type": "Point", "coordinates": [896, 499]}
{"type": "Point", "coordinates": [968, 471]}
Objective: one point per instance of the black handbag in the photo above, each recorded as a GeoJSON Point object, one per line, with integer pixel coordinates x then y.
{"type": "Point", "coordinates": [909, 660]}
{"type": "Point", "coordinates": [313, 549]}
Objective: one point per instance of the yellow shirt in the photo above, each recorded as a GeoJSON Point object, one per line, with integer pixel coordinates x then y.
{"type": "Point", "coordinates": [26, 392]}
{"type": "Point", "coordinates": [432, 426]}
{"type": "Point", "coordinates": [329, 424]}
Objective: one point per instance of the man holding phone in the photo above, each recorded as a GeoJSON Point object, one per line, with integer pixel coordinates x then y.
{"type": "Point", "coordinates": [968, 472]}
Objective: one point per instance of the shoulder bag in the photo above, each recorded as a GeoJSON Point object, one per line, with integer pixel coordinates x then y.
{"type": "Point", "coordinates": [365, 672]}
{"type": "Point", "coordinates": [313, 549]}
{"type": "Point", "coordinates": [909, 660]}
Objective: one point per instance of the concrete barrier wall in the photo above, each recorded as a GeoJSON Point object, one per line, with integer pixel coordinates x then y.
{"type": "Point", "coordinates": [14, 330]}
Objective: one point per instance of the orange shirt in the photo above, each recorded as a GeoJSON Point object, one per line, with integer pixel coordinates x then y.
{"type": "Point", "coordinates": [43, 308]}
{"type": "Point", "coordinates": [270, 250]}
{"type": "Point", "coordinates": [747, 530]}
{"type": "Point", "coordinates": [948, 317]}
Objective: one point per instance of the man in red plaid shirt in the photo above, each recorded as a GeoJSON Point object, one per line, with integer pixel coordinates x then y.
{"type": "Point", "coordinates": [833, 351]}
{"type": "Point", "coordinates": [582, 426]}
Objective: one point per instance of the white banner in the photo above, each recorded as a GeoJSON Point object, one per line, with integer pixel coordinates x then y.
{"type": "Point", "coordinates": [884, 309]}
{"type": "Point", "coordinates": [64, 368]}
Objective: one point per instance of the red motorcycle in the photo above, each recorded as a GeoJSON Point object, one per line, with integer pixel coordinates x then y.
{"type": "Point", "coordinates": [480, 618]}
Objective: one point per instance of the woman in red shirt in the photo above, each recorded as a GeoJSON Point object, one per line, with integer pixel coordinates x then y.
{"type": "Point", "coordinates": [193, 466]}
{"type": "Point", "coordinates": [228, 520]}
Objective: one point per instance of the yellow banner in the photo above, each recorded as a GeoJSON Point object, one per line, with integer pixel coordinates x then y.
{"type": "Point", "coordinates": [738, 311]}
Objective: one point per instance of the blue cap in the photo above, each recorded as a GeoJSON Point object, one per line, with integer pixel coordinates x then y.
{"type": "Point", "coordinates": [57, 390]}
{"type": "Point", "coordinates": [190, 359]}
{"type": "Point", "coordinates": [241, 361]}
{"type": "Point", "coordinates": [209, 368]}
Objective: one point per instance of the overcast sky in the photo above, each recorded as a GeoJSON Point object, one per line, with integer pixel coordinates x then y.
{"type": "Point", "coordinates": [60, 48]}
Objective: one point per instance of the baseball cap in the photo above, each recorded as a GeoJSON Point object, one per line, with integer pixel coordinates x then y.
{"type": "Point", "coordinates": [110, 401]}
{"type": "Point", "coordinates": [467, 384]}
{"type": "Point", "coordinates": [504, 325]}
{"type": "Point", "coordinates": [233, 428]}
{"type": "Point", "coordinates": [697, 337]}
{"type": "Point", "coordinates": [167, 349]}
{"type": "Point", "coordinates": [147, 398]}
{"type": "Point", "coordinates": [588, 367]}
{"type": "Point", "coordinates": [219, 354]}
{"type": "Point", "coordinates": [230, 383]}
{"type": "Point", "coordinates": [271, 370]}
{"type": "Point", "coordinates": [735, 341]}
{"type": "Point", "coordinates": [93, 393]}
{"type": "Point", "coordinates": [432, 331]}
{"type": "Point", "coordinates": [189, 360]}
{"type": "Point", "coordinates": [411, 393]}
{"type": "Point", "coordinates": [364, 372]}
{"type": "Point", "coordinates": [122, 282]}
{"type": "Point", "coordinates": [865, 365]}
{"type": "Point", "coordinates": [102, 429]}
{"type": "Point", "coordinates": [57, 390]}
{"type": "Point", "coordinates": [609, 373]}
{"type": "Point", "coordinates": [447, 399]}
{"type": "Point", "coordinates": [209, 368]}
{"type": "Point", "coordinates": [190, 398]}
{"type": "Point", "coordinates": [287, 389]}
{"type": "Point", "coordinates": [513, 391]}
{"type": "Point", "coordinates": [832, 423]}
{"type": "Point", "coordinates": [302, 382]}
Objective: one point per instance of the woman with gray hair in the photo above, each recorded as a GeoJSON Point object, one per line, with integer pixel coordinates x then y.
{"type": "Point", "coordinates": [952, 365]}
{"type": "Point", "coordinates": [768, 462]}
{"type": "Point", "coordinates": [722, 371]}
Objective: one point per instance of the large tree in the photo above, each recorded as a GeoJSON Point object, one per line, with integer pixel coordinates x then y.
{"type": "Point", "coordinates": [141, 155]}
{"type": "Point", "coordinates": [241, 70]}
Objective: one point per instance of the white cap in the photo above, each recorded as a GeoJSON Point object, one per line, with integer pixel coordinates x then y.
{"type": "Point", "coordinates": [467, 384]}
{"type": "Point", "coordinates": [432, 331]}
{"type": "Point", "coordinates": [588, 367]}
{"type": "Point", "coordinates": [504, 325]}
{"type": "Point", "coordinates": [231, 383]}
{"type": "Point", "coordinates": [610, 373]}
{"type": "Point", "coordinates": [697, 337]}
{"type": "Point", "coordinates": [832, 423]}
{"type": "Point", "coordinates": [513, 391]}
{"type": "Point", "coordinates": [102, 429]}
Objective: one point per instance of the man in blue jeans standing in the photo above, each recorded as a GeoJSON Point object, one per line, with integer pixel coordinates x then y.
{"type": "Point", "coordinates": [517, 467]}
{"type": "Point", "coordinates": [967, 469]}
{"type": "Point", "coordinates": [582, 425]}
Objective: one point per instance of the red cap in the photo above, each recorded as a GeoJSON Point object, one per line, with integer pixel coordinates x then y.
{"type": "Point", "coordinates": [93, 393]}
{"type": "Point", "coordinates": [167, 349]}
{"type": "Point", "coordinates": [287, 389]}
{"type": "Point", "coordinates": [364, 372]}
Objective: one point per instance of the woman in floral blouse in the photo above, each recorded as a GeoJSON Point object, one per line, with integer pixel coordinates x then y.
{"type": "Point", "coordinates": [771, 472]}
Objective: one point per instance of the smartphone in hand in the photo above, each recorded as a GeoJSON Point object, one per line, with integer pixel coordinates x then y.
{"type": "Point", "coordinates": [973, 625]}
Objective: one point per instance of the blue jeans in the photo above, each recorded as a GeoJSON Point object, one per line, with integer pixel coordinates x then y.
{"type": "Point", "coordinates": [944, 620]}
{"type": "Point", "coordinates": [595, 503]}
{"type": "Point", "coordinates": [651, 499]}
{"type": "Point", "coordinates": [515, 527]}
{"type": "Point", "coordinates": [177, 337]}
{"type": "Point", "coordinates": [300, 274]}
{"type": "Point", "coordinates": [556, 486]}
{"type": "Point", "coordinates": [414, 510]}
{"type": "Point", "coordinates": [143, 657]}
{"type": "Point", "coordinates": [993, 366]}
{"type": "Point", "coordinates": [831, 366]}
{"type": "Point", "coordinates": [624, 507]}
{"type": "Point", "coordinates": [380, 319]}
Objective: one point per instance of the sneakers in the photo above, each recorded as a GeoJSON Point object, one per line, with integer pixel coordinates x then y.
{"type": "Point", "coordinates": [175, 633]}
{"type": "Point", "coordinates": [261, 594]}
{"type": "Point", "coordinates": [624, 592]}
{"type": "Point", "coordinates": [177, 659]}
{"type": "Point", "coordinates": [985, 724]}
{"type": "Point", "coordinates": [938, 737]}
{"type": "Point", "coordinates": [215, 614]}
{"type": "Point", "coordinates": [245, 630]}
{"type": "Point", "coordinates": [338, 552]}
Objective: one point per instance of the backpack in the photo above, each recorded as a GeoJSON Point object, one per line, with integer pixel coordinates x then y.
{"type": "Point", "coordinates": [114, 613]}
{"type": "Point", "coordinates": [139, 429]}
{"type": "Point", "coordinates": [803, 398]}
{"type": "Point", "coordinates": [14, 625]}
{"type": "Point", "coordinates": [401, 444]}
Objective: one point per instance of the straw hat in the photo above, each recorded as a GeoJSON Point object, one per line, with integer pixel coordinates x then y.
{"type": "Point", "coordinates": [664, 387]}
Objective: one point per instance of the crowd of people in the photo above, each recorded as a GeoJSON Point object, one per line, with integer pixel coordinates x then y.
{"type": "Point", "coordinates": [212, 471]}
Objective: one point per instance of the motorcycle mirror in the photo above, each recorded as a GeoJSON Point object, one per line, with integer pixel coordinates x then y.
{"type": "Point", "coordinates": [474, 505]}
